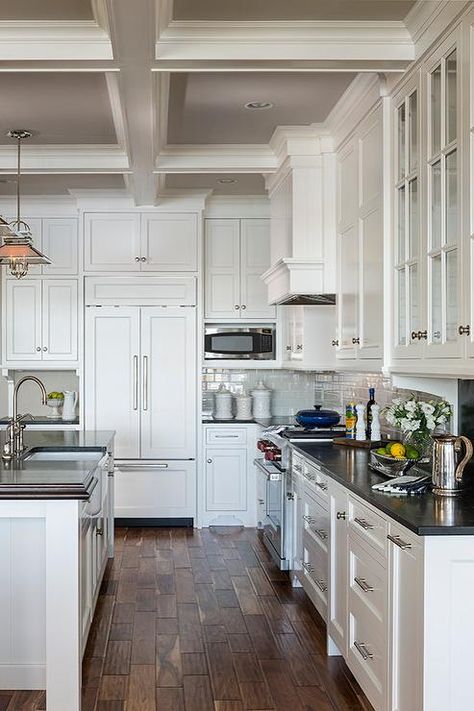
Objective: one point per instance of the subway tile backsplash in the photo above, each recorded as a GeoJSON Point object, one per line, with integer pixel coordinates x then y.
{"type": "Point", "coordinates": [296, 390]}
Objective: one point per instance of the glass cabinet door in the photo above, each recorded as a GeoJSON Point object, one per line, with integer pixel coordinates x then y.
{"type": "Point", "coordinates": [444, 224]}
{"type": "Point", "coordinates": [407, 229]}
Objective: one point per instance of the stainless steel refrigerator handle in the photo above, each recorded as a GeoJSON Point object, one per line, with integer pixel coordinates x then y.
{"type": "Point", "coordinates": [145, 382]}
{"type": "Point", "coordinates": [135, 382]}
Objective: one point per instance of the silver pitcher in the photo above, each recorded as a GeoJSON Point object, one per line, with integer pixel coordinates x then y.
{"type": "Point", "coordinates": [447, 469]}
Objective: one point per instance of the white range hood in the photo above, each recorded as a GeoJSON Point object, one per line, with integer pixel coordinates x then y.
{"type": "Point", "coordinates": [303, 219]}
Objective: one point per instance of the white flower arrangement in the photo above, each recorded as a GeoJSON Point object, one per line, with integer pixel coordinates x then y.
{"type": "Point", "coordinates": [414, 415]}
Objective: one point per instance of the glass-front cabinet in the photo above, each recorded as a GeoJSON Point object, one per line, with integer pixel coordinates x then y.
{"type": "Point", "coordinates": [427, 216]}
{"type": "Point", "coordinates": [444, 224]}
{"type": "Point", "coordinates": [407, 228]}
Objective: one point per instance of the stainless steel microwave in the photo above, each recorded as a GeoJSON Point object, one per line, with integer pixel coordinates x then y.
{"type": "Point", "coordinates": [243, 343]}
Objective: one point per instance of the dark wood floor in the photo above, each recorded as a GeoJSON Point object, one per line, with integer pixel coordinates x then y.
{"type": "Point", "coordinates": [193, 620]}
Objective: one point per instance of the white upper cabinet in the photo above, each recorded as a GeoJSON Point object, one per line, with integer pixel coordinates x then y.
{"type": "Point", "coordinates": [112, 242]}
{"type": "Point", "coordinates": [60, 244]}
{"type": "Point", "coordinates": [132, 242]}
{"type": "Point", "coordinates": [41, 318]}
{"type": "Point", "coordinates": [169, 242]}
{"type": "Point", "coordinates": [237, 253]}
{"type": "Point", "coordinates": [307, 337]}
{"type": "Point", "coordinates": [360, 242]}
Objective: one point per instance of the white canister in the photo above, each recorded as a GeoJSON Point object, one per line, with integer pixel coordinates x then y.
{"type": "Point", "coordinates": [261, 397]}
{"type": "Point", "coordinates": [244, 407]}
{"type": "Point", "coordinates": [223, 401]}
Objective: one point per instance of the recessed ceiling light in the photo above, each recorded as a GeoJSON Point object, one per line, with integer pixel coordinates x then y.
{"type": "Point", "coordinates": [259, 105]}
{"type": "Point", "coordinates": [227, 181]}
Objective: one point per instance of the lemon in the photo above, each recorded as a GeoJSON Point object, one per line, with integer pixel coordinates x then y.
{"type": "Point", "coordinates": [397, 450]}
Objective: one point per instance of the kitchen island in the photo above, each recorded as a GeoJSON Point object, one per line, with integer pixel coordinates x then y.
{"type": "Point", "coordinates": [392, 575]}
{"type": "Point", "coordinates": [56, 534]}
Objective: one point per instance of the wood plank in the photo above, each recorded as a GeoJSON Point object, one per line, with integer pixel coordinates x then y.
{"type": "Point", "coordinates": [166, 606]}
{"type": "Point", "coordinates": [168, 661]}
{"type": "Point", "coordinates": [221, 668]}
{"type": "Point", "coordinates": [256, 695]}
{"type": "Point", "coordinates": [246, 666]}
{"type": "Point", "coordinates": [312, 698]}
{"type": "Point", "coordinates": [275, 614]}
{"type": "Point", "coordinates": [197, 693]}
{"type": "Point", "coordinates": [263, 641]}
{"type": "Point", "coordinates": [141, 694]}
{"type": "Point", "coordinates": [185, 592]}
{"type": "Point", "coordinates": [301, 665]}
{"type": "Point", "coordinates": [117, 659]}
{"type": "Point", "coordinates": [145, 600]}
{"type": "Point", "coordinates": [209, 611]}
{"type": "Point", "coordinates": [168, 699]}
{"type": "Point", "coordinates": [260, 582]}
{"type": "Point", "coordinates": [167, 625]}
{"type": "Point", "coordinates": [113, 688]}
{"type": "Point", "coordinates": [193, 664]}
{"type": "Point", "coordinates": [143, 643]}
{"type": "Point", "coordinates": [282, 689]}
{"type": "Point", "coordinates": [248, 601]}
{"type": "Point", "coordinates": [120, 633]}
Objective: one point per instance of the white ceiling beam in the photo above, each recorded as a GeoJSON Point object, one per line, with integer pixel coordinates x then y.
{"type": "Point", "coordinates": [226, 158]}
{"type": "Point", "coordinates": [290, 40]}
{"type": "Point", "coordinates": [386, 66]}
{"type": "Point", "coordinates": [132, 27]}
{"type": "Point", "coordinates": [41, 159]}
{"type": "Point", "coordinates": [53, 40]}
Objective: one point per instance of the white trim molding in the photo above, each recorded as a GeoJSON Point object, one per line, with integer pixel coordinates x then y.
{"type": "Point", "coordinates": [427, 20]}
{"type": "Point", "coordinates": [53, 40]}
{"type": "Point", "coordinates": [289, 40]}
{"type": "Point", "coordinates": [228, 158]}
{"type": "Point", "coordinates": [65, 159]}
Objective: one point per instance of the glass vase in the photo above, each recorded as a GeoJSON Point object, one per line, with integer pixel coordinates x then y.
{"type": "Point", "coordinates": [421, 441]}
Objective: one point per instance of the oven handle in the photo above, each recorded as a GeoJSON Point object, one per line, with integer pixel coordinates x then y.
{"type": "Point", "coordinates": [274, 475]}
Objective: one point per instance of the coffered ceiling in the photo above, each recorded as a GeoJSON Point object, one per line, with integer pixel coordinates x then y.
{"type": "Point", "coordinates": [148, 95]}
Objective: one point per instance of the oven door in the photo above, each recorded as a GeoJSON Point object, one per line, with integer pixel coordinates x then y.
{"type": "Point", "coordinates": [274, 521]}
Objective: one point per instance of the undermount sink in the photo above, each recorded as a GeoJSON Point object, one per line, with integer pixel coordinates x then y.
{"type": "Point", "coordinates": [64, 455]}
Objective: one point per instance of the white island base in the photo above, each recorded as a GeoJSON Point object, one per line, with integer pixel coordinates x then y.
{"type": "Point", "coordinates": [53, 555]}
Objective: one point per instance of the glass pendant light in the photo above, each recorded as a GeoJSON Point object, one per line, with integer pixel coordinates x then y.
{"type": "Point", "coordinates": [17, 251]}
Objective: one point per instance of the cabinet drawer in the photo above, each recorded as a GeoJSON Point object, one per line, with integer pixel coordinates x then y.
{"type": "Point", "coordinates": [367, 657]}
{"type": "Point", "coordinates": [317, 480]}
{"type": "Point", "coordinates": [297, 464]}
{"type": "Point", "coordinates": [316, 521]}
{"type": "Point", "coordinates": [367, 584]}
{"type": "Point", "coordinates": [371, 527]}
{"type": "Point", "coordinates": [226, 435]}
{"type": "Point", "coordinates": [314, 573]}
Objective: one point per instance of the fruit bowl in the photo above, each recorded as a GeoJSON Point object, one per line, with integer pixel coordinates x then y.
{"type": "Point", "coordinates": [393, 460]}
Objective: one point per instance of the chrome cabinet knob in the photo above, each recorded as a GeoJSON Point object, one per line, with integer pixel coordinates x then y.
{"type": "Point", "coordinates": [414, 335]}
{"type": "Point", "coordinates": [423, 335]}
{"type": "Point", "coordinates": [45, 348]}
{"type": "Point", "coordinates": [288, 348]}
{"type": "Point", "coordinates": [99, 531]}
{"type": "Point", "coordinates": [143, 259]}
{"type": "Point", "coordinates": [209, 461]}
{"type": "Point", "coordinates": [243, 307]}
{"type": "Point", "coordinates": [137, 259]}
{"type": "Point", "coordinates": [38, 348]}
{"type": "Point", "coordinates": [356, 341]}
{"type": "Point", "coordinates": [237, 307]}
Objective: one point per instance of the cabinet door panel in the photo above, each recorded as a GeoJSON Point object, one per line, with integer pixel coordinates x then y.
{"type": "Point", "coordinates": [111, 376]}
{"type": "Point", "coordinates": [60, 319]}
{"type": "Point", "coordinates": [168, 383]}
{"type": "Point", "coordinates": [226, 479]}
{"type": "Point", "coordinates": [169, 243]}
{"type": "Point", "coordinates": [112, 243]}
{"type": "Point", "coordinates": [159, 490]}
{"type": "Point", "coordinates": [348, 302]}
{"type": "Point", "coordinates": [337, 597]}
{"type": "Point", "coordinates": [370, 329]}
{"type": "Point", "coordinates": [60, 244]}
{"type": "Point", "coordinates": [222, 288]}
{"type": "Point", "coordinates": [23, 320]}
{"type": "Point", "coordinates": [254, 260]}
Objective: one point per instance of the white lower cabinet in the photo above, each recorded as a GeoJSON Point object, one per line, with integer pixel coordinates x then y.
{"type": "Point", "coordinates": [228, 476]}
{"type": "Point", "coordinates": [337, 593]}
{"type": "Point", "coordinates": [153, 490]}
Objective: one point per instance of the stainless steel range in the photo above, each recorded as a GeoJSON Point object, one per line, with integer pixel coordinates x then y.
{"type": "Point", "coordinates": [274, 462]}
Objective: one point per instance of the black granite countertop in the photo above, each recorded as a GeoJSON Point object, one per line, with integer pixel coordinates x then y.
{"type": "Point", "coordinates": [58, 479]}
{"type": "Point", "coordinates": [425, 515]}
{"type": "Point", "coordinates": [274, 421]}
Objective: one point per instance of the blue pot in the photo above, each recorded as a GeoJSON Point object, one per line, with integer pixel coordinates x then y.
{"type": "Point", "coordinates": [309, 419]}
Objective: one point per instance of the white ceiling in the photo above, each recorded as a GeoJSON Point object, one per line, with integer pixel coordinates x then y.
{"type": "Point", "coordinates": [209, 108]}
{"type": "Point", "coordinates": [60, 184]}
{"type": "Point", "coordinates": [247, 183]}
{"type": "Point", "coordinates": [291, 9]}
{"type": "Point", "coordinates": [57, 107]}
{"type": "Point", "coordinates": [45, 10]}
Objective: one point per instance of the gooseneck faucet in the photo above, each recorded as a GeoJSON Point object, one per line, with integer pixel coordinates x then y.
{"type": "Point", "coordinates": [14, 445]}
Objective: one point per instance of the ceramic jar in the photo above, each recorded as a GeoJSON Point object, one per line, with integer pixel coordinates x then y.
{"type": "Point", "coordinates": [223, 404]}
{"type": "Point", "coordinates": [244, 407]}
{"type": "Point", "coordinates": [261, 401]}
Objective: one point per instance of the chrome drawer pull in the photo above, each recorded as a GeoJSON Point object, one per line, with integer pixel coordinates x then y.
{"type": "Point", "coordinates": [321, 585]}
{"type": "Point", "coordinates": [362, 583]}
{"type": "Point", "coordinates": [363, 651]}
{"type": "Point", "coordinates": [309, 519]}
{"type": "Point", "coordinates": [296, 468]}
{"type": "Point", "coordinates": [363, 524]}
{"type": "Point", "coordinates": [309, 568]}
{"type": "Point", "coordinates": [399, 542]}
{"type": "Point", "coordinates": [322, 534]}
{"type": "Point", "coordinates": [321, 486]}
{"type": "Point", "coordinates": [341, 515]}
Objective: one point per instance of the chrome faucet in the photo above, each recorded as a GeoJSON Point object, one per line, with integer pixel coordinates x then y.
{"type": "Point", "coordinates": [14, 446]}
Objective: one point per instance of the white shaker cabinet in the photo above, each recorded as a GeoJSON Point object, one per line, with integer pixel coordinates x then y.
{"type": "Point", "coordinates": [140, 379]}
{"type": "Point", "coordinates": [360, 243]}
{"type": "Point", "coordinates": [60, 244]}
{"type": "Point", "coordinates": [337, 593]}
{"type": "Point", "coordinates": [226, 479]}
{"type": "Point", "coordinates": [307, 337]}
{"type": "Point", "coordinates": [237, 253]}
{"type": "Point", "coordinates": [134, 242]}
{"type": "Point", "coordinates": [41, 318]}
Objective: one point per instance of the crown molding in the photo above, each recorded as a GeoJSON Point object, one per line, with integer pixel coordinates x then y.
{"type": "Point", "coordinates": [53, 40]}
{"type": "Point", "coordinates": [237, 206]}
{"type": "Point", "coordinates": [360, 96]}
{"type": "Point", "coordinates": [65, 159]}
{"type": "Point", "coordinates": [428, 19]}
{"type": "Point", "coordinates": [288, 40]}
{"type": "Point", "coordinates": [226, 158]}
